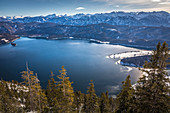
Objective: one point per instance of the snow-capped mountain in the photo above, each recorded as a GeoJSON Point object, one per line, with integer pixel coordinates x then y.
{"type": "Point", "coordinates": [132, 35]}
{"type": "Point", "coordinates": [160, 18]}
{"type": "Point", "coordinates": [133, 28]}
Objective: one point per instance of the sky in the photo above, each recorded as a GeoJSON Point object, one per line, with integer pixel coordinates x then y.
{"type": "Point", "coordinates": [70, 7]}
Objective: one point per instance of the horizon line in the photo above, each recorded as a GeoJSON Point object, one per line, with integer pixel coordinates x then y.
{"type": "Point", "coordinates": [84, 13]}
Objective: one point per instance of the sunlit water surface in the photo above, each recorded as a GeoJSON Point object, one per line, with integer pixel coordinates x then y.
{"type": "Point", "coordinates": [83, 61]}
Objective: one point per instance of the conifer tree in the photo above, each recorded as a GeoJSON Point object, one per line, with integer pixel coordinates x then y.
{"type": "Point", "coordinates": [104, 103]}
{"type": "Point", "coordinates": [4, 98]}
{"type": "Point", "coordinates": [36, 98]}
{"type": "Point", "coordinates": [152, 90]}
{"type": "Point", "coordinates": [78, 101]}
{"type": "Point", "coordinates": [92, 105]}
{"type": "Point", "coordinates": [41, 98]}
{"type": "Point", "coordinates": [85, 105]}
{"type": "Point", "coordinates": [14, 93]}
{"type": "Point", "coordinates": [28, 77]}
{"type": "Point", "coordinates": [66, 91]}
{"type": "Point", "coordinates": [112, 104]}
{"type": "Point", "coordinates": [124, 97]}
{"type": "Point", "coordinates": [52, 94]}
{"type": "Point", "coordinates": [8, 103]}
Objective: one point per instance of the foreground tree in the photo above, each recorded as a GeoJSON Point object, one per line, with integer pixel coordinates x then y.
{"type": "Point", "coordinates": [36, 99]}
{"type": "Point", "coordinates": [52, 94]}
{"type": "Point", "coordinates": [8, 100]}
{"type": "Point", "coordinates": [112, 102]}
{"type": "Point", "coordinates": [124, 97]}
{"type": "Point", "coordinates": [78, 101]}
{"type": "Point", "coordinates": [91, 98]}
{"type": "Point", "coordinates": [152, 90]}
{"type": "Point", "coordinates": [104, 103]}
{"type": "Point", "coordinates": [66, 92]}
{"type": "Point", "coordinates": [40, 96]}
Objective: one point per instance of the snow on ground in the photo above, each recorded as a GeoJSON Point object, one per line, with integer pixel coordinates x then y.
{"type": "Point", "coordinates": [129, 54]}
{"type": "Point", "coordinates": [5, 40]}
{"type": "Point", "coordinates": [18, 87]}
{"type": "Point", "coordinates": [129, 68]}
{"type": "Point", "coordinates": [112, 29]}
{"type": "Point", "coordinates": [98, 41]}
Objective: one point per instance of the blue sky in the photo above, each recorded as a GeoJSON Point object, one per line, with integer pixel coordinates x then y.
{"type": "Point", "coordinates": [60, 7]}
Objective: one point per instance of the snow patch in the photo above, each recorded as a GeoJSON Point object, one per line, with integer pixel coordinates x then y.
{"type": "Point", "coordinates": [112, 29]}
{"type": "Point", "coordinates": [98, 41]}
{"type": "Point", "coordinates": [130, 54]}
{"type": "Point", "coordinates": [5, 40]}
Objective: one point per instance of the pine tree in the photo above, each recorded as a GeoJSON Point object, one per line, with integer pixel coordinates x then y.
{"type": "Point", "coordinates": [66, 91]}
{"type": "Point", "coordinates": [104, 103]}
{"type": "Point", "coordinates": [92, 105]}
{"type": "Point", "coordinates": [15, 93]}
{"type": "Point", "coordinates": [52, 94]}
{"type": "Point", "coordinates": [28, 77]}
{"type": "Point", "coordinates": [112, 104]}
{"type": "Point", "coordinates": [152, 90]}
{"type": "Point", "coordinates": [40, 96]}
{"type": "Point", "coordinates": [4, 98]}
{"type": "Point", "coordinates": [8, 102]}
{"type": "Point", "coordinates": [124, 97]}
{"type": "Point", "coordinates": [78, 101]}
{"type": "Point", "coordinates": [36, 99]}
{"type": "Point", "coordinates": [85, 105]}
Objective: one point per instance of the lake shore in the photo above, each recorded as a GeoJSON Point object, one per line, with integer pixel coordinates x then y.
{"type": "Point", "coordinates": [128, 54]}
{"type": "Point", "coordinates": [8, 39]}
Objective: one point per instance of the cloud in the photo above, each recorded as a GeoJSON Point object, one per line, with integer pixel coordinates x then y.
{"type": "Point", "coordinates": [117, 6]}
{"type": "Point", "coordinates": [156, 0]}
{"type": "Point", "coordinates": [80, 8]}
{"type": "Point", "coordinates": [164, 3]}
{"type": "Point", "coordinates": [138, 5]}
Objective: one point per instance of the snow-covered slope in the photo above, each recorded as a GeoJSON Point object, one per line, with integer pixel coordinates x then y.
{"type": "Point", "coordinates": [160, 18]}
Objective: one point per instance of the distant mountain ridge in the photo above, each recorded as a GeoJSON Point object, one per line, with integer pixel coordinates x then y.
{"type": "Point", "coordinates": [134, 28]}
{"type": "Point", "coordinates": [131, 35]}
{"type": "Point", "coordinates": [160, 18]}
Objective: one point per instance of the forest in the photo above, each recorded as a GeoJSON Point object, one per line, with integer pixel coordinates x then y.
{"type": "Point", "coordinates": [151, 93]}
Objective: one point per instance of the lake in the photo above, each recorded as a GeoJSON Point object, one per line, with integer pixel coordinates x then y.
{"type": "Point", "coordinates": [83, 61]}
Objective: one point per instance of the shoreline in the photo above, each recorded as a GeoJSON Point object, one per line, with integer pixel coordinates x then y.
{"type": "Point", "coordinates": [128, 54]}
{"type": "Point", "coordinates": [8, 41]}
{"type": "Point", "coordinates": [118, 56]}
{"type": "Point", "coordinates": [90, 41]}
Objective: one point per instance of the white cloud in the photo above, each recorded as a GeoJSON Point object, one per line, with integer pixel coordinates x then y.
{"type": "Point", "coordinates": [138, 5]}
{"type": "Point", "coordinates": [80, 8]}
{"type": "Point", "coordinates": [156, 0]}
{"type": "Point", "coordinates": [117, 6]}
{"type": "Point", "coordinates": [164, 3]}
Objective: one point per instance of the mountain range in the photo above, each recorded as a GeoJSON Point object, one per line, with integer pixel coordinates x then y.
{"type": "Point", "coordinates": [114, 18]}
{"type": "Point", "coordinates": [133, 28]}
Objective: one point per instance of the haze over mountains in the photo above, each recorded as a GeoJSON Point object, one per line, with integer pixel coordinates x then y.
{"type": "Point", "coordinates": [133, 28]}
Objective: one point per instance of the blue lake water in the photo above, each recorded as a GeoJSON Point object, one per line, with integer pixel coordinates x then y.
{"type": "Point", "coordinates": [83, 61]}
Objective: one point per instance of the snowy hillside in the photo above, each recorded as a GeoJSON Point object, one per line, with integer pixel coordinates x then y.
{"type": "Point", "coordinates": [160, 18]}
